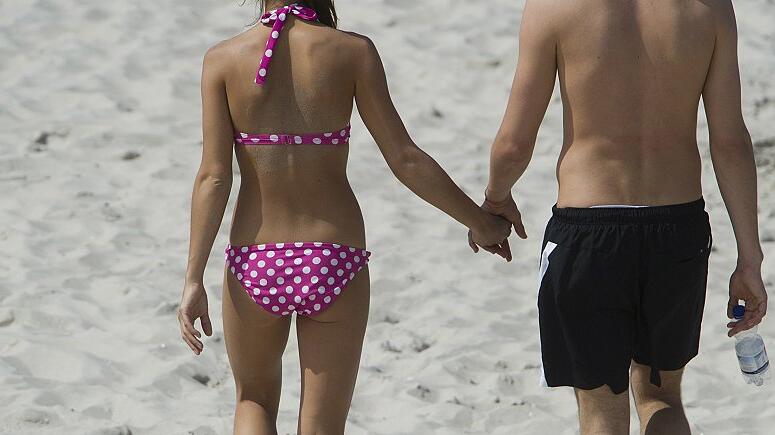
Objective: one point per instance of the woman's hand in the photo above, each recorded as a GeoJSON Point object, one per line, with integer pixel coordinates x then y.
{"type": "Point", "coordinates": [507, 209]}
{"type": "Point", "coordinates": [193, 305]}
{"type": "Point", "coordinates": [492, 236]}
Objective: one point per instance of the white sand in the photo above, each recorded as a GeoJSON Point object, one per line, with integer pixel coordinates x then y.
{"type": "Point", "coordinates": [93, 242]}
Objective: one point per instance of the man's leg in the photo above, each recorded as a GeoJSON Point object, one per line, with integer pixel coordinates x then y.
{"type": "Point", "coordinates": [659, 408]}
{"type": "Point", "coordinates": [601, 412]}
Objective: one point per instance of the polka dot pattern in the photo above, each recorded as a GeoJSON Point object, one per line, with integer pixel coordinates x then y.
{"type": "Point", "coordinates": [308, 280]}
{"type": "Point", "coordinates": [277, 18]}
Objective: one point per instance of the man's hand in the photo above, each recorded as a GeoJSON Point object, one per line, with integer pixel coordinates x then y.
{"type": "Point", "coordinates": [746, 284]}
{"type": "Point", "coordinates": [507, 209]}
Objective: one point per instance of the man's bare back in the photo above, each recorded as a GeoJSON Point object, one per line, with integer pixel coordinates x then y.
{"type": "Point", "coordinates": [631, 76]}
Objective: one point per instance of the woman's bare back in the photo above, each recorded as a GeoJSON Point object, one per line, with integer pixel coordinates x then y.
{"type": "Point", "coordinates": [293, 192]}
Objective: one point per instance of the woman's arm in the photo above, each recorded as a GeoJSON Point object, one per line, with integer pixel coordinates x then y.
{"type": "Point", "coordinates": [210, 196]}
{"type": "Point", "coordinates": [413, 167]}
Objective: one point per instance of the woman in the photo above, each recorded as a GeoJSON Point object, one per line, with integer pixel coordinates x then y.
{"type": "Point", "coordinates": [297, 240]}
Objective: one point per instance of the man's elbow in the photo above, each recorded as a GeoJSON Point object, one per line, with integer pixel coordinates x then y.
{"type": "Point", "coordinates": [517, 151]}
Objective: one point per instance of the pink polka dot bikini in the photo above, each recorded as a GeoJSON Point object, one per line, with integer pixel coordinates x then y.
{"type": "Point", "coordinates": [301, 277]}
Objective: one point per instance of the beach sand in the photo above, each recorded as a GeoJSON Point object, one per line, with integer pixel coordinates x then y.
{"type": "Point", "coordinates": [99, 143]}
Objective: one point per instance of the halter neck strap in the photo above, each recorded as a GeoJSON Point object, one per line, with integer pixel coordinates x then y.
{"type": "Point", "coordinates": [277, 18]}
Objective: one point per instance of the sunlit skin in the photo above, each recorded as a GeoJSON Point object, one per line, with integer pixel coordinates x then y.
{"type": "Point", "coordinates": [631, 76]}
{"type": "Point", "coordinates": [299, 193]}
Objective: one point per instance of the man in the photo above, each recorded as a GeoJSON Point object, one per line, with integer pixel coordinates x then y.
{"type": "Point", "coordinates": [625, 255]}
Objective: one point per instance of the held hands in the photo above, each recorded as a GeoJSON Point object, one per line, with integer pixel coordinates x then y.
{"type": "Point", "coordinates": [746, 284]}
{"type": "Point", "coordinates": [492, 237]}
{"type": "Point", "coordinates": [193, 305]}
{"type": "Point", "coordinates": [506, 210]}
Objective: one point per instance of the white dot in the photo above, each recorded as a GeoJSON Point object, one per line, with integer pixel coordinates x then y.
{"type": "Point", "coordinates": [275, 34]}
{"type": "Point", "coordinates": [244, 249]}
{"type": "Point", "coordinates": [312, 297]}
{"type": "Point", "coordinates": [279, 245]}
{"type": "Point", "coordinates": [316, 260]}
{"type": "Point", "coordinates": [317, 244]}
{"type": "Point", "coordinates": [281, 299]}
{"type": "Point", "coordinates": [351, 249]}
{"type": "Point", "coordinates": [343, 133]}
{"type": "Point", "coordinates": [324, 270]}
{"type": "Point", "coordinates": [280, 280]}
{"type": "Point", "coordinates": [268, 52]}
{"type": "Point", "coordinates": [298, 244]}
{"type": "Point", "coordinates": [270, 254]}
{"type": "Point", "coordinates": [334, 262]}
{"type": "Point", "coordinates": [314, 280]}
{"type": "Point", "coordinates": [261, 263]}
{"type": "Point", "coordinates": [279, 262]}
{"type": "Point", "coordinates": [334, 141]}
{"type": "Point", "coordinates": [337, 290]}
{"type": "Point", "coordinates": [248, 283]}
{"type": "Point", "coordinates": [232, 269]}
{"type": "Point", "coordinates": [305, 289]}
{"type": "Point", "coordinates": [327, 299]}
{"type": "Point", "coordinates": [262, 72]}
{"type": "Point", "coordinates": [317, 141]}
{"type": "Point", "coordinates": [363, 253]}
{"type": "Point", "coordinates": [308, 251]}
{"type": "Point", "coordinates": [297, 139]}
{"type": "Point", "coordinates": [297, 299]}
{"type": "Point", "coordinates": [289, 289]}
{"type": "Point", "coordinates": [342, 255]}
{"type": "Point", "coordinates": [265, 300]}
{"type": "Point", "coordinates": [237, 259]}
{"type": "Point", "coordinates": [352, 275]}
{"type": "Point", "coordinates": [239, 276]}
{"type": "Point", "coordinates": [340, 272]}
{"type": "Point", "coordinates": [291, 307]}
{"type": "Point", "coordinates": [348, 265]}
{"type": "Point", "coordinates": [297, 261]}
{"type": "Point", "coordinates": [321, 289]}
{"type": "Point", "coordinates": [316, 307]}
{"type": "Point", "coordinates": [288, 270]}
{"type": "Point", "coordinates": [245, 266]}
{"type": "Point", "coordinates": [231, 252]}
{"type": "Point", "coordinates": [253, 256]}
{"type": "Point", "coordinates": [262, 281]}
{"type": "Point", "coordinates": [270, 272]}
{"type": "Point", "coordinates": [357, 259]}
{"type": "Point", "coordinates": [275, 138]}
{"type": "Point", "coordinates": [289, 253]}
{"type": "Point", "coordinates": [273, 290]}
{"type": "Point", "coordinates": [306, 269]}
{"type": "Point", "coordinates": [253, 274]}
{"type": "Point", "coordinates": [331, 280]}
{"type": "Point", "coordinates": [326, 252]}
{"type": "Point", "coordinates": [297, 280]}
{"type": "Point", "coordinates": [285, 313]}
{"type": "Point", "coordinates": [329, 135]}
{"type": "Point", "coordinates": [282, 16]}
{"type": "Point", "coordinates": [275, 308]}
{"type": "Point", "coordinates": [256, 291]}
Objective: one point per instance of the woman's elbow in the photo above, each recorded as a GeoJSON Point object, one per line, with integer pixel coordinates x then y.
{"type": "Point", "coordinates": [216, 179]}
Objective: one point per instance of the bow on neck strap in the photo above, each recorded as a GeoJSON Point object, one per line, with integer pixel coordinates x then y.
{"type": "Point", "coordinates": [277, 18]}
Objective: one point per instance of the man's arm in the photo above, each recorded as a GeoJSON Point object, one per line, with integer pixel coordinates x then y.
{"type": "Point", "coordinates": [530, 94]}
{"type": "Point", "coordinates": [733, 161]}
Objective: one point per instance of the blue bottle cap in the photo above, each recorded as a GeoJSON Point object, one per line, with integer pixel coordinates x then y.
{"type": "Point", "coordinates": [738, 311]}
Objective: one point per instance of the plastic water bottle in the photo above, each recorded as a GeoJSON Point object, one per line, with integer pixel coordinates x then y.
{"type": "Point", "coordinates": [751, 353]}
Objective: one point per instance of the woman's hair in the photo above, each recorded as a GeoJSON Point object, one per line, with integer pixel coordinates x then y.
{"type": "Point", "coordinates": [324, 8]}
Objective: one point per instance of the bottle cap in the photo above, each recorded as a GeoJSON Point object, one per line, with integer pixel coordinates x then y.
{"type": "Point", "coordinates": [738, 311]}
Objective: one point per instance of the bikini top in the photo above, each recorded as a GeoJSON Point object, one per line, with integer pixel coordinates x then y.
{"type": "Point", "coordinates": [277, 18]}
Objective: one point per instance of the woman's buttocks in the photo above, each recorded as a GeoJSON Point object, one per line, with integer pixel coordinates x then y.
{"type": "Point", "coordinates": [290, 196]}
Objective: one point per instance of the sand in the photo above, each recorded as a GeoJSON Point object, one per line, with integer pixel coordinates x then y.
{"type": "Point", "coordinates": [99, 143]}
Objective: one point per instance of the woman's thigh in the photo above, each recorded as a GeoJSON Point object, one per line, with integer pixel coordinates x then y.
{"type": "Point", "coordinates": [255, 341]}
{"type": "Point", "coordinates": [330, 346]}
